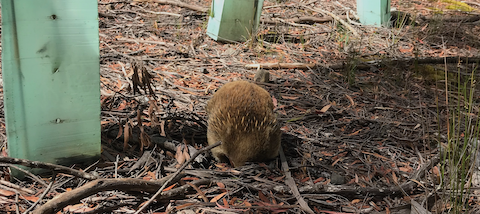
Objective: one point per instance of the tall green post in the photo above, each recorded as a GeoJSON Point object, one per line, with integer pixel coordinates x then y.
{"type": "Point", "coordinates": [374, 12]}
{"type": "Point", "coordinates": [50, 68]}
{"type": "Point", "coordinates": [234, 20]}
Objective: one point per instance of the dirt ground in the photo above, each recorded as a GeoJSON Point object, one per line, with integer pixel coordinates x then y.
{"type": "Point", "coordinates": [362, 113]}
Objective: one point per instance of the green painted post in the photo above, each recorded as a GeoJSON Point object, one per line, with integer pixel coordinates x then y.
{"type": "Point", "coordinates": [234, 20]}
{"type": "Point", "coordinates": [374, 12]}
{"type": "Point", "coordinates": [50, 68]}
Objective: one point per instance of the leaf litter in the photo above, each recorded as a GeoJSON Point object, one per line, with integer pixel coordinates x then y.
{"type": "Point", "coordinates": [359, 123]}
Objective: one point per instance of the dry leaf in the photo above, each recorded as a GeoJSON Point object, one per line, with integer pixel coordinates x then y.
{"type": "Point", "coordinates": [355, 133]}
{"type": "Point", "coordinates": [405, 169]}
{"type": "Point", "coordinates": [424, 27]}
{"type": "Point", "coordinates": [336, 161]}
{"type": "Point", "coordinates": [416, 126]}
{"type": "Point", "coordinates": [105, 122]}
{"type": "Point", "coordinates": [320, 179]}
{"type": "Point", "coordinates": [162, 129]}
{"type": "Point", "coordinates": [406, 50]}
{"type": "Point", "coordinates": [6, 192]}
{"type": "Point", "coordinates": [120, 130]}
{"type": "Point", "coordinates": [122, 106]}
{"type": "Point", "coordinates": [151, 174]}
{"type": "Point", "coordinates": [327, 153]}
{"type": "Point", "coordinates": [126, 136]}
{"type": "Point", "coordinates": [221, 185]}
{"type": "Point", "coordinates": [206, 89]}
{"type": "Point", "coordinates": [436, 171]}
{"type": "Point", "coordinates": [78, 208]}
{"type": "Point", "coordinates": [394, 176]}
{"type": "Point", "coordinates": [225, 203]}
{"type": "Point", "coordinates": [179, 155]}
{"type": "Point", "coordinates": [199, 191]}
{"type": "Point", "coordinates": [354, 201]}
{"type": "Point", "coordinates": [289, 97]}
{"type": "Point", "coordinates": [150, 112]}
{"type": "Point", "coordinates": [275, 102]}
{"type": "Point", "coordinates": [221, 166]}
{"type": "Point", "coordinates": [263, 197]}
{"type": "Point", "coordinates": [30, 198]}
{"type": "Point", "coordinates": [186, 153]}
{"type": "Point", "coordinates": [324, 109]}
{"type": "Point", "coordinates": [169, 188]}
{"type": "Point", "coordinates": [273, 199]}
{"type": "Point", "coordinates": [350, 99]}
{"type": "Point", "coordinates": [180, 207]}
{"type": "Point", "coordinates": [190, 179]}
{"type": "Point", "coordinates": [376, 155]}
{"type": "Point", "coordinates": [233, 200]}
{"type": "Point", "coordinates": [218, 197]}
{"type": "Point", "coordinates": [144, 139]}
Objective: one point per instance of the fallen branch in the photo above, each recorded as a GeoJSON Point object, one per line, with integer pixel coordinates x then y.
{"type": "Point", "coordinates": [336, 18]}
{"type": "Point", "coordinates": [362, 192]}
{"type": "Point", "coordinates": [54, 167]}
{"type": "Point", "coordinates": [367, 64]}
{"type": "Point", "coordinates": [28, 173]}
{"type": "Point", "coordinates": [178, 4]}
{"type": "Point", "coordinates": [282, 65]}
{"type": "Point", "coordinates": [429, 60]}
{"type": "Point", "coordinates": [124, 184]}
{"type": "Point", "coordinates": [463, 19]}
{"type": "Point", "coordinates": [303, 20]}
{"type": "Point", "coordinates": [215, 204]}
{"type": "Point", "coordinates": [145, 41]}
{"type": "Point", "coordinates": [17, 187]}
{"type": "Point", "coordinates": [291, 183]}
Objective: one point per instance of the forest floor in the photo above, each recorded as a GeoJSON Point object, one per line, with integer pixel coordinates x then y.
{"type": "Point", "coordinates": [363, 109]}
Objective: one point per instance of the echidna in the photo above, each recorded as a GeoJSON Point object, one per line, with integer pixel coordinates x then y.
{"type": "Point", "coordinates": [240, 114]}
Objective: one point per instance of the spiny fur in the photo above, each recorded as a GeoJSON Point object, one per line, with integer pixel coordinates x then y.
{"type": "Point", "coordinates": [241, 116]}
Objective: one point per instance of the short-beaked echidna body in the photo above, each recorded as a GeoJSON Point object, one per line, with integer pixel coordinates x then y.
{"type": "Point", "coordinates": [240, 114]}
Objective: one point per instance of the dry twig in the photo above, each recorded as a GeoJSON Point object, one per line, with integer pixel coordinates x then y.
{"type": "Point", "coordinates": [47, 190]}
{"type": "Point", "coordinates": [177, 3]}
{"type": "Point", "coordinates": [291, 183]}
{"type": "Point", "coordinates": [302, 20]}
{"type": "Point", "coordinates": [54, 167]}
{"type": "Point", "coordinates": [282, 65]}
